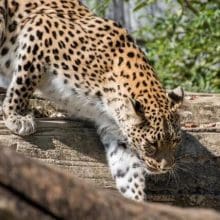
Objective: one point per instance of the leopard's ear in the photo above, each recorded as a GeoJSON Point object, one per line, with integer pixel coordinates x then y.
{"type": "Point", "coordinates": [176, 97]}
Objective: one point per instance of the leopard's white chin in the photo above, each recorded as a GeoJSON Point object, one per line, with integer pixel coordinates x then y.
{"type": "Point", "coordinates": [151, 171]}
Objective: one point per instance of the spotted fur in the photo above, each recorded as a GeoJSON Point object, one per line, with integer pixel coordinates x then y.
{"type": "Point", "coordinates": [92, 67]}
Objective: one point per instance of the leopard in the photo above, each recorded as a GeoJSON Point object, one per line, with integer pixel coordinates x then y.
{"type": "Point", "coordinates": [92, 68]}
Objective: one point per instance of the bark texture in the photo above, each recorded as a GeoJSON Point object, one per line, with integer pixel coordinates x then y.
{"type": "Point", "coordinates": [30, 190]}
{"type": "Point", "coordinates": [74, 146]}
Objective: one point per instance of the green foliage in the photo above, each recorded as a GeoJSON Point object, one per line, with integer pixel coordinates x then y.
{"type": "Point", "coordinates": [141, 4]}
{"type": "Point", "coordinates": [98, 7]}
{"type": "Point", "coordinates": [183, 43]}
{"type": "Point", "coordinates": [184, 46]}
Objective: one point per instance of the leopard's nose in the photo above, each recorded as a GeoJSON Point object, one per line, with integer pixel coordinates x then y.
{"type": "Point", "coordinates": [166, 164]}
{"type": "Point", "coordinates": [163, 164]}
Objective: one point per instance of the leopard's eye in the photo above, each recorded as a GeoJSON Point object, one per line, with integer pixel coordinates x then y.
{"type": "Point", "coordinates": [144, 123]}
{"type": "Point", "coordinates": [137, 107]}
{"type": "Point", "coordinates": [150, 150]}
{"type": "Point", "coordinates": [177, 140]}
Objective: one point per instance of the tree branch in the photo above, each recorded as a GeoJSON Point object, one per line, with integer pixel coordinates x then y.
{"type": "Point", "coordinates": [57, 196]}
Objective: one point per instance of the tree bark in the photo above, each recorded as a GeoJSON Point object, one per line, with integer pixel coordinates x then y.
{"type": "Point", "coordinates": [118, 11]}
{"type": "Point", "coordinates": [74, 146]}
{"type": "Point", "coordinates": [39, 192]}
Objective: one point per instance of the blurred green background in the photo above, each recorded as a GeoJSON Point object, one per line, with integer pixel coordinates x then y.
{"type": "Point", "coordinates": [181, 38]}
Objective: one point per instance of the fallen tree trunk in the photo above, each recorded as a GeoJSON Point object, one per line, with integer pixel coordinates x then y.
{"type": "Point", "coordinates": [74, 146]}
{"type": "Point", "coordinates": [29, 190]}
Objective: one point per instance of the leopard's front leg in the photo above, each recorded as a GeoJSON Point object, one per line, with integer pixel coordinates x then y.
{"type": "Point", "coordinates": [127, 171]}
{"type": "Point", "coordinates": [126, 168]}
{"type": "Point", "coordinates": [22, 86]}
{"type": "Point", "coordinates": [2, 22]}
{"type": "Point", "coordinates": [15, 105]}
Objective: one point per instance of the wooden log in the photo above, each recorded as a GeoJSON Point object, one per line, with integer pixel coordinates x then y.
{"type": "Point", "coordinates": [74, 146]}
{"type": "Point", "coordinates": [44, 193]}
{"type": "Point", "coordinates": [14, 207]}
{"type": "Point", "coordinates": [200, 109]}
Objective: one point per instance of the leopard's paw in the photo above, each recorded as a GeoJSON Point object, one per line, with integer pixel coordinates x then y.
{"type": "Point", "coordinates": [132, 185]}
{"type": "Point", "coordinates": [21, 125]}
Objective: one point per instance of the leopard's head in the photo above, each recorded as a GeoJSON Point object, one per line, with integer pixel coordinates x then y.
{"type": "Point", "coordinates": [154, 132]}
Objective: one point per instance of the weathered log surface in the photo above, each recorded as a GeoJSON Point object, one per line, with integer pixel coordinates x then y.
{"type": "Point", "coordinates": [201, 109]}
{"type": "Point", "coordinates": [29, 190]}
{"type": "Point", "coordinates": [74, 146]}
